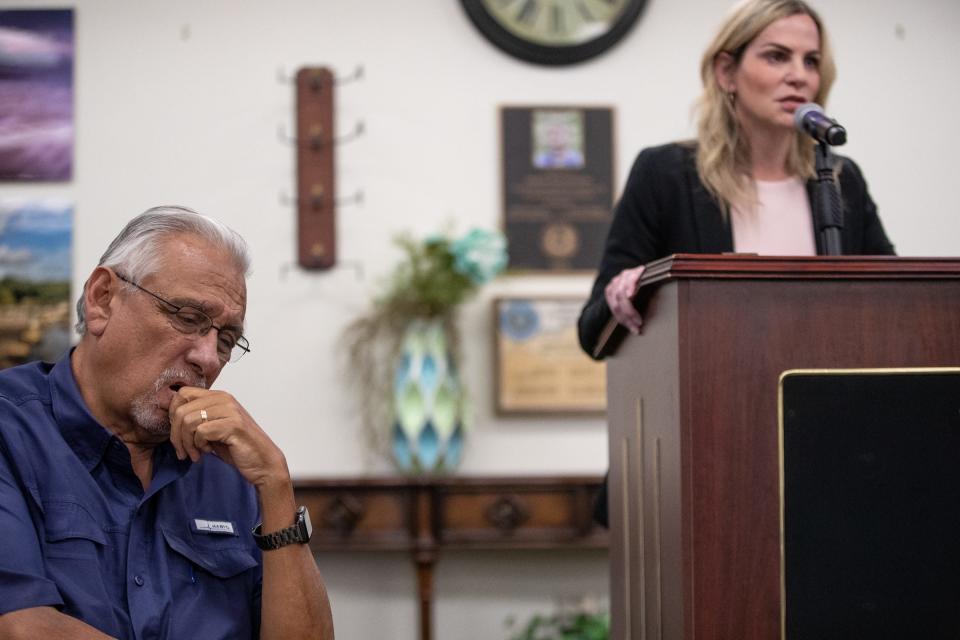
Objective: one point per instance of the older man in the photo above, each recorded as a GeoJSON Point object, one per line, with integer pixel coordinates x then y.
{"type": "Point", "coordinates": [136, 502]}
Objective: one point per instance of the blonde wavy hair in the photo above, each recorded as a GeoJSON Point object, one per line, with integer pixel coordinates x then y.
{"type": "Point", "coordinates": [723, 155]}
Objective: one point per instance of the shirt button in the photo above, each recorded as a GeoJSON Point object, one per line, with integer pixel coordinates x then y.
{"type": "Point", "coordinates": [137, 580]}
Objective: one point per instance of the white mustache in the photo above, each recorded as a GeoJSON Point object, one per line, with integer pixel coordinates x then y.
{"type": "Point", "coordinates": [186, 378]}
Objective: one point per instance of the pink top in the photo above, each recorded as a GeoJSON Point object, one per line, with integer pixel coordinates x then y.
{"type": "Point", "coordinates": [782, 224]}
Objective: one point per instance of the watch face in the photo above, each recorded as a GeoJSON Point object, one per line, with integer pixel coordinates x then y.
{"type": "Point", "coordinates": [307, 525]}
{"type": "Point", "coordinates": [554, 31]}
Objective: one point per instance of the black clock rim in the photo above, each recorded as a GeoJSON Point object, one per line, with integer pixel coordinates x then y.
{"type": "Point", "coordinates": [547, 55]}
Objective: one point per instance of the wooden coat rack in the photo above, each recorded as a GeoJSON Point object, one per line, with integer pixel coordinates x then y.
{"type": "Point", "coordinates": [316, 184]}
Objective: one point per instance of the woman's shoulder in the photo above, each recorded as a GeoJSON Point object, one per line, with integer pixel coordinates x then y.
{"type": "Point", "coordinates": [669, 158]}
{"type": "Point", "coordinates": [849, 174]}
{"type": "Point", "coordinates": [681, 151]}
{"type": "Point", "coordinates": [665, 167]}
{"type": "Point", "coordinates": [848, 168]}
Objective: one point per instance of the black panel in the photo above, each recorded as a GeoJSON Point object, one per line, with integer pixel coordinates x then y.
{"type": "Point", "coordinates": [871, 500]}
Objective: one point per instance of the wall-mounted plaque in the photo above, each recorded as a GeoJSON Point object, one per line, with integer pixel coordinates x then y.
{"type": "Point", "coordinates": [540, 366]}
{"type": "Point", "coordinates": [557, 186]}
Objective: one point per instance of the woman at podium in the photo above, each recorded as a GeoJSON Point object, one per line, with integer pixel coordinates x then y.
{"type": "Point", "coordinates": [744, 184]}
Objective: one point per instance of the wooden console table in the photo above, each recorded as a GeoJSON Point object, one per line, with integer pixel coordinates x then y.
{"type": "Point", "coordinates": [425, 515]}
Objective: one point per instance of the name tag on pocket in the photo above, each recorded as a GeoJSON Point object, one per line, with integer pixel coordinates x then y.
{"type": "Point", "coordinates": [219, 527]}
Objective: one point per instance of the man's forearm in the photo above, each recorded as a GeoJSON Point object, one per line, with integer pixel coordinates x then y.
{"type": "Point", "coordinates": [294, 599]}
{"type": "Point", "coordinates": [45, 622]}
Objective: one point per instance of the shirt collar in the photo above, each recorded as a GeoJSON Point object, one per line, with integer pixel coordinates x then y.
{"type": "Point", "coordinates": [87, 437]}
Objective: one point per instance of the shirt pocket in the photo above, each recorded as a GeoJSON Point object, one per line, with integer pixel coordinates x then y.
{"type": "Point", "coordinates": [71, 532]}
{"type": "Point", "coordinates": [214, 586]}
{"type": "Point", "coordinates": [223, 557]}
{"type": "Point", "coordinates": [77, 558]}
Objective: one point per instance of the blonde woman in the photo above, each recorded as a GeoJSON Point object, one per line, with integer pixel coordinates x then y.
{"type": "Point", "coordinates": [744, 184]}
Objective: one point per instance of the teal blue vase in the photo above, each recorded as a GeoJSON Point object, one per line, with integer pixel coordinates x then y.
{"type": "Point", "coordinates": [428, 401]}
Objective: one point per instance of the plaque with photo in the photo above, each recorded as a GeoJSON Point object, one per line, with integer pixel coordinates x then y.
{"type": "Point", "coordinates": [557, 186]}
{"type": "Point", "coordinates": [539, 364]}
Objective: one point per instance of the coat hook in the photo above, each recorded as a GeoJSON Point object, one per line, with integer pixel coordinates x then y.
{"type": "Point", "coordinates": [315, 136]}
{"type": "Point", "coordinates": [316, 80]}
{"type": "Point", "coordinates": [356, 198]}
{"type": "Point", "coordinates": [283, 77]}
{"type": "Point", "coordinates": [315, 139]}
{"type": "Point", "coordinates": [358, 130]}
{"type": "Point", "coordinates": [283, 136]}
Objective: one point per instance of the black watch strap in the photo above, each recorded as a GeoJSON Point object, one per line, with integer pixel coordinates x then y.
{"type": "Point", "coordinates": [298, 533]}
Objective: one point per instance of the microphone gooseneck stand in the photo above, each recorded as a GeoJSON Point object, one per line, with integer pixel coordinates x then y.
{"type": "Point", "coordinates": [827, 206]}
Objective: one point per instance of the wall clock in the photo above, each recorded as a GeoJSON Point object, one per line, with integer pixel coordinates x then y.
{"type": "Point", "coordinates": [554, 32]}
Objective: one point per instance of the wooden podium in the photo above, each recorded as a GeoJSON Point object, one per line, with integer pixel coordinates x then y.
{"type": "Point", "coordinates": [695, 490]}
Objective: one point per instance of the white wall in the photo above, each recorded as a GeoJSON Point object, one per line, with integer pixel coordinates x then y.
{"type": "Point", "coordinates": [178, 101]}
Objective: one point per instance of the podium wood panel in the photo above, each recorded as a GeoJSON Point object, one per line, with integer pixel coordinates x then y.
{"type": "Point", "coordinates": [694, 495]}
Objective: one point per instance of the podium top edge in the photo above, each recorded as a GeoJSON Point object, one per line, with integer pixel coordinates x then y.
{"type": "Point", "coordinates": [688, 265]}
{"type": "Point", "coordinates": [739, 266]}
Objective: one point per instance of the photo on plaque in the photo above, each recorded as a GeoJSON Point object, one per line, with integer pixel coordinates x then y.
{"type": "Point", "coordinates": [557, 139]}
{"type": "Point", "coordinates": [540, 368]}
{"type": "Point", "coordinates": [557, 186]}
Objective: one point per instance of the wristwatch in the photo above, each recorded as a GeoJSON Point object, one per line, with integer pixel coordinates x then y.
{"type": "Point", "coordinates": [299, 533]}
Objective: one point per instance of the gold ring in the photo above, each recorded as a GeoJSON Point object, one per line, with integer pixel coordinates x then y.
{"type": "Point", "coordinates": [203, 415]}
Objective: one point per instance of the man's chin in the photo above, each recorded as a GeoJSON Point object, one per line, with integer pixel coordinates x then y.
{"type": "Point", "coordinates": [153, 420]}
{"type": "Point", "coordinates": [161, 431]}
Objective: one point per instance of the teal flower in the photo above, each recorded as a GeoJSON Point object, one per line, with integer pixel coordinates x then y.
{"type": "Point", "coordinates": [439, 273]}
{"type": "Point", "coordinates": [480, 255]}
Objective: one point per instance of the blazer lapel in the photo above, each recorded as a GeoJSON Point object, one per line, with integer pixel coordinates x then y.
{"type": "Point", "coordinates": [713, 230]}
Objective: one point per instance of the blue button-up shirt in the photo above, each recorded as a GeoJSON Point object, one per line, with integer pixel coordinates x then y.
{"type": "Point", "coordinates": [79, 533]}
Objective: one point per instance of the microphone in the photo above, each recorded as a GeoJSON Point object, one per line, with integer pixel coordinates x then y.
{"type": "Point", "coordinates": [811, 119]}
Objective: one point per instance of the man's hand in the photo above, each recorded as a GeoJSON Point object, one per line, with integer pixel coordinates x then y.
{"type": "Point", "coordinates": [206, 421]}
{"type": "Point", "coordinates": [619, 293]}
{"type": "Point", "coordinates": [294, 602]}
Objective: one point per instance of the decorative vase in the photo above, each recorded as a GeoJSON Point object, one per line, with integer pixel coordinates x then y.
{"type": "Point", "coordinates": [428, 401]}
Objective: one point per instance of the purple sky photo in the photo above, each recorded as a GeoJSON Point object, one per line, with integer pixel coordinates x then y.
{"type": "Point", "coordinates": [36, 95]}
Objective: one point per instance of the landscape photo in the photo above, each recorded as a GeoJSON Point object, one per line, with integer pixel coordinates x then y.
{"type": "Point", "coordinates": [35, 271]}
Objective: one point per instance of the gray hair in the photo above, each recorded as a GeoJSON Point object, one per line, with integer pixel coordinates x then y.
{"type": "Point", "coordinates": [136, 250]}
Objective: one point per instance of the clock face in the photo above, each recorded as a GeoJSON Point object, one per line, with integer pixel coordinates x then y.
{"type": "Point", "coordinates": [554, 31]}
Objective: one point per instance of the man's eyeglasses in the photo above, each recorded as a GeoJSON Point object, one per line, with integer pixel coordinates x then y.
{"type": "Point", "coordinates": [192, 321]}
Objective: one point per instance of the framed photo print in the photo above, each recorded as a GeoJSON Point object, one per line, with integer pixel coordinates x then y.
{"type": "Point", "coordinates": [36, 95]}
{"type": "Point", "coordinates": [36, 240]}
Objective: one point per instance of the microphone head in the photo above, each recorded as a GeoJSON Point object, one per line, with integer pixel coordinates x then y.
{"type": "Point", "coordinates": [836, 136]}
{"type": "Point", "coordinates": [803, 111]}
